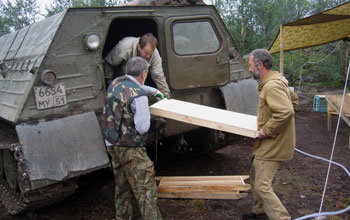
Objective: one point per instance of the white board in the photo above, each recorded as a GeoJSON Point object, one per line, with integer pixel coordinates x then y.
{"type": "Point", "coordinates": [219, 119]}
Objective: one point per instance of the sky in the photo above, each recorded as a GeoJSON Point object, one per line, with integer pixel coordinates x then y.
{"type": "Point", "coordinates": [43, 3]}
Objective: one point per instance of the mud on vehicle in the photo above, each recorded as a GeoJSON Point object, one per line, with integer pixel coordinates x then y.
{"type": "Point", "coordinates": [52, 91]}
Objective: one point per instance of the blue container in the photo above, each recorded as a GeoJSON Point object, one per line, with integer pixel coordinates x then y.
{"type": "Point", "coordinates": [320, 104]}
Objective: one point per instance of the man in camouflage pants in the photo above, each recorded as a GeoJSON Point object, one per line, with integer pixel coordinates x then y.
{"type": "Point", "coordinates": [125, 122]}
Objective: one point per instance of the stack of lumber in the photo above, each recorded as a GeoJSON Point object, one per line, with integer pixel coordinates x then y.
{"type": "Point", "coordinates": [203, 187]}
{"type": "Point", "coordinates": [219, 119]}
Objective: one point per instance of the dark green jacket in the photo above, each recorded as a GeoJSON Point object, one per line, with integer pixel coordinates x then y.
{"type": "Point", "coordinates": [118, 119]}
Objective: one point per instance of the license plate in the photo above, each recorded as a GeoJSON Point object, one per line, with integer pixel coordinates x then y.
{"type": "Point", "coordinates": [50, 96]}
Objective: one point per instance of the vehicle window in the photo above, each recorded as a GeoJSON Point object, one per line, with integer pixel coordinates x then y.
{"type": "Point", "coordinates": [194, 38]}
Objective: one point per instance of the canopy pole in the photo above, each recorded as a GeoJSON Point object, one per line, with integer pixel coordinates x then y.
{"type": "Point", "coordinates": [281, 50]}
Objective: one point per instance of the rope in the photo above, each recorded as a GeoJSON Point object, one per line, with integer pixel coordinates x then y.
{"type": "Point", "coordinates": [324, 213]}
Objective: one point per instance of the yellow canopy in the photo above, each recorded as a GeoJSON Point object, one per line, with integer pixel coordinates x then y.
{"type": "Point", "coordinates": [322, 28]}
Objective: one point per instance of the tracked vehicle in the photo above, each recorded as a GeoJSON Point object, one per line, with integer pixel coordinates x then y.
{"type": "Point", "coordinates": [52, 91]}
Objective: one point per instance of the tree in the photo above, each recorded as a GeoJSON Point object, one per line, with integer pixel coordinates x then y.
{"type": "Point", "coordinates": [321, 5]}
{"type": "Point", "coordinates": [256, 23]}
{"type": "Point", "coordinates": [61, 5]}
{"type": "Point", "coordinates": [4, 29]}
{"type": "Point", "coordinates": [18, 14]}
{"type": "Point", "coordinates": [344, 57]}
{"type": "Point", "coordinates": [58, 6]}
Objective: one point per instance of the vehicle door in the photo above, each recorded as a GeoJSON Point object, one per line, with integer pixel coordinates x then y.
{"type": "Point", "coordinates": [197, 53]}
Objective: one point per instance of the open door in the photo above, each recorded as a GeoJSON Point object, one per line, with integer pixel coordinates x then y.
{"type": "Point", "coordinates": [197, 53]}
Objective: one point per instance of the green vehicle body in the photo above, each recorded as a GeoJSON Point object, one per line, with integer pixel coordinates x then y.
{"type": "Point", "coordinates": [56, 127]}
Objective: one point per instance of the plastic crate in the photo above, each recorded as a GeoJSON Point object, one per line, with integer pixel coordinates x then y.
{"type": "Point", "coordinates": [320, 104]}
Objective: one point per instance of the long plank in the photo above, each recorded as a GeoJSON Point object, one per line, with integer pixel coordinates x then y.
{"type": "Point", "coordinates": [191, 178]}
{"type": "Point", "coordinates": [201, 183]}
{"type": "Point", "coordinates": [203, 188]}
{"type": "Point", "coordinates": [219, 119]}
{"type": "Point", "coordinates": [203, 195]}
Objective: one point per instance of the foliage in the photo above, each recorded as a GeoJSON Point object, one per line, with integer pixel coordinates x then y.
{"type": "Point", "coordinates": [4, 29]}
{"type": "Point", "coordinates": [60, 5]}
{"type": "Point", "coordinates": [321, 5]}
{"type": "Point", "coordinates": [313, 65]}
{"type": "Point", "coordinates": [255, 24]}
{"type": "Point", "coordinates": [18, 14]}
{"type": "Point", "coordinates": [15, 14]}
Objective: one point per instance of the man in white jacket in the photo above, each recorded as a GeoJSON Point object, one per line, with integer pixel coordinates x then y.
{"type": "Point", "coordinates": [145, 47]}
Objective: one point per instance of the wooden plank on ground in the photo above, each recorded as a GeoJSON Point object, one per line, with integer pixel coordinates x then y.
{"type": "Point", "coordinates": [201, 183]}
{"type": "Point", "coordinates": [204, 178]}
{"type": "Point", "coordinates": [193, 188]}
{"type": "Point", "coordinates": [203, 187]}
{"type": "Point", "coordinates": [216, 195]}
{"type": "Point", "coordinates": [219, 119]}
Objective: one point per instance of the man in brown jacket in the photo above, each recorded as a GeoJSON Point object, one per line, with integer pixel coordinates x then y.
{"type": "Point", "coordinates": [276, 139]}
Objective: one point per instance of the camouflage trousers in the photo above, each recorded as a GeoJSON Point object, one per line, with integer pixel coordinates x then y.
{"type": "Point", "coordinates": [134, 173]}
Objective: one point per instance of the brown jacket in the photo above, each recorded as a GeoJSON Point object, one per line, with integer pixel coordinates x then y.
{"type": "Point", "coordinates": [276, 118]}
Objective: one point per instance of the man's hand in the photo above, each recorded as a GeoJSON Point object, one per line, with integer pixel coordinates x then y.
{"type": "Point", "coordinates": [159, 96]}
{"type": "Point", "coordinates": [262, 135]}
{"type": "Point", "coordinates": [167, 96]}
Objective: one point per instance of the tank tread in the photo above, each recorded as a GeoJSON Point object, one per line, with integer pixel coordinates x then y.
{"type": "Point", "coordinates": [10, 200]}
{"type": "Point", "coordinates": [18, 201]}
{"type": "Point", "coordinates": [7, 146]}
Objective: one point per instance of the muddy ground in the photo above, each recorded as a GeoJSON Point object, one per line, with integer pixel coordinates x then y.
{"type": "Point", "coordinates": [299, 183]}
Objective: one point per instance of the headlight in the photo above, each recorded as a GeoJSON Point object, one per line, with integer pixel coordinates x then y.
{"type": "Point", "coordinates": [92, 41]}
{"type": "Point", "coordinates": [233, 52]}
{"type": "Point", "coordinates": [48, 77]}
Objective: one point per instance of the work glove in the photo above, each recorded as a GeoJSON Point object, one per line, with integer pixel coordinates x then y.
{"type": "Point", "coordinates": [159, 96]}
{"type": "Point", "coordinates": [167, 96]}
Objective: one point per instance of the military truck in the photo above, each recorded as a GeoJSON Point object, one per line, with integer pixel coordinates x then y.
{"type": "Point", "coordinates": [52, 91]}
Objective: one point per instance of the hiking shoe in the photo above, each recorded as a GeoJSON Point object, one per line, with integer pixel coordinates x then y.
{"type": "Point", "coordinates": [252, 216]}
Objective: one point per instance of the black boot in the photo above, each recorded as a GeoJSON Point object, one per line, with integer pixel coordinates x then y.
{"type": "Point", "coordinates": [252, 216]}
